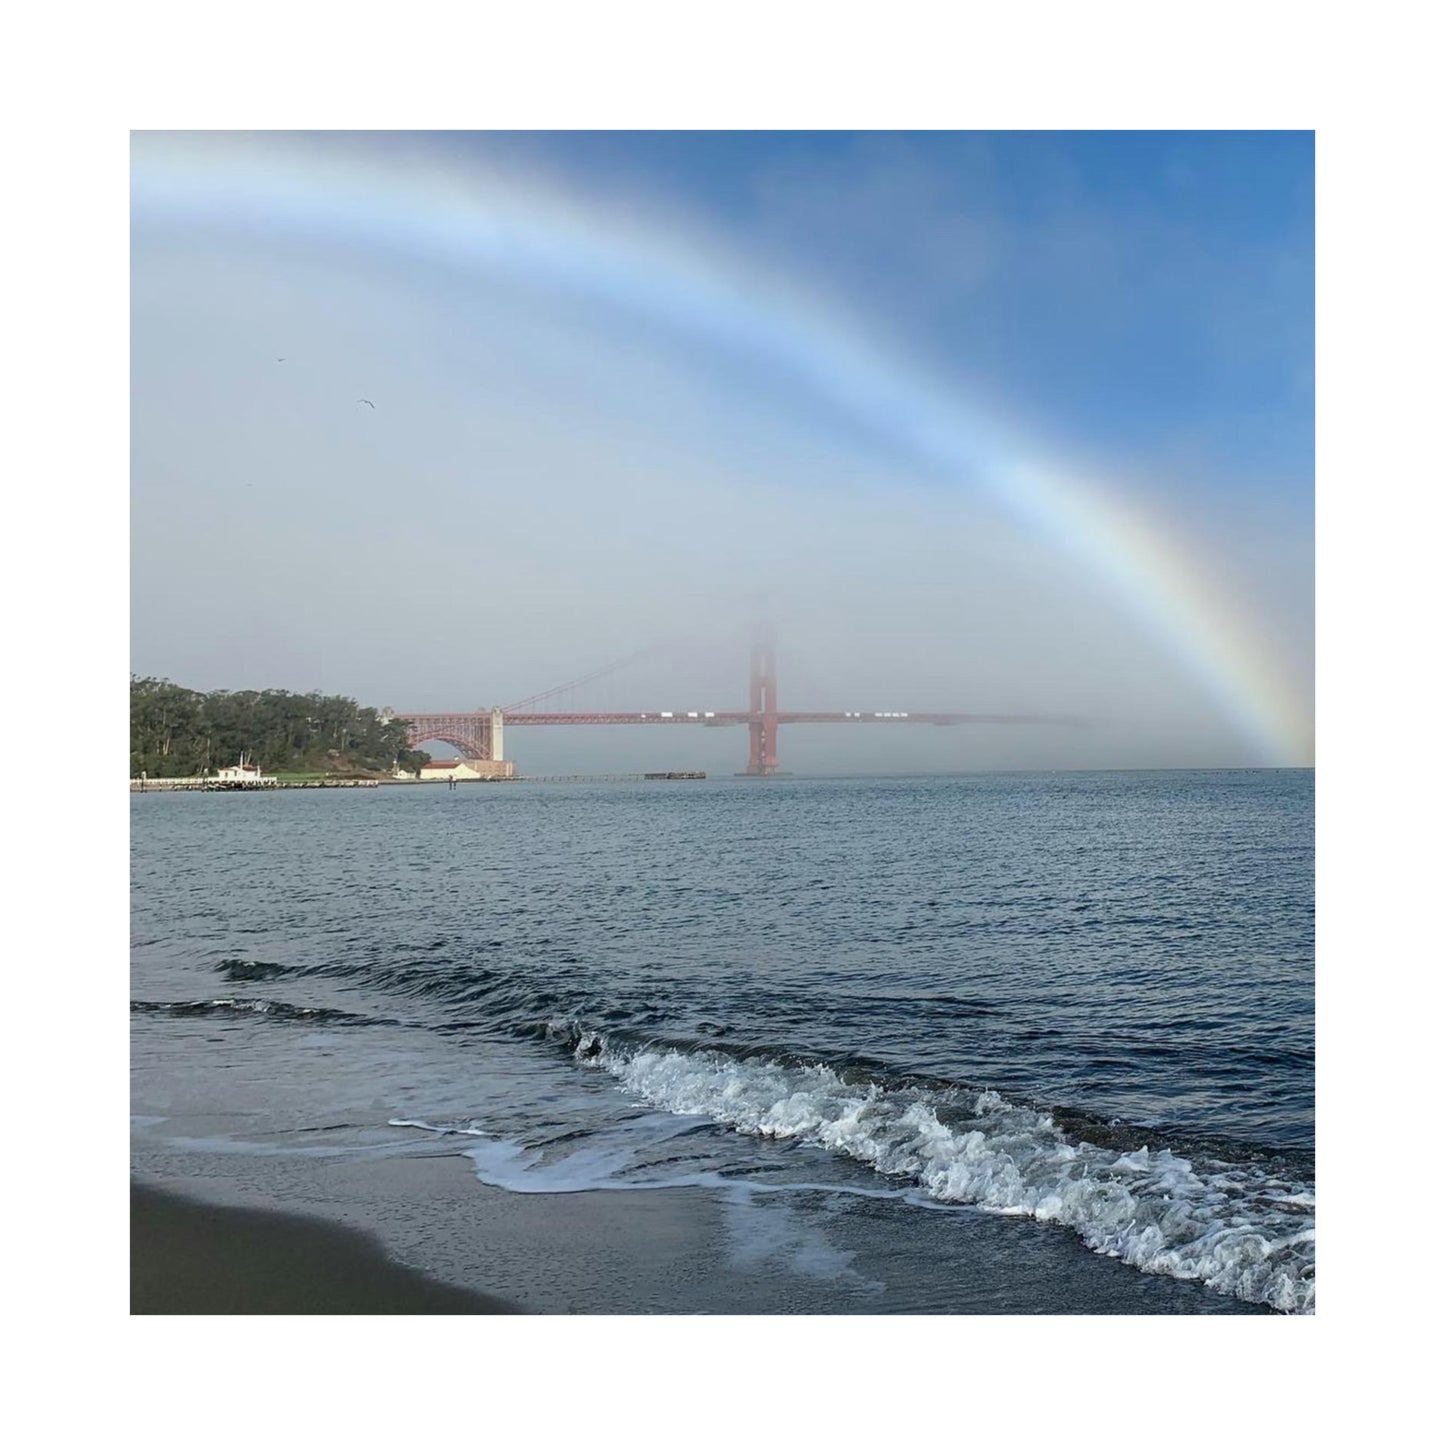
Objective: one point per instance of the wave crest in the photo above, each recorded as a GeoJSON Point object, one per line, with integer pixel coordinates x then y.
{"type": "Point", "coordinates": [1239, 1229]}
{"type": "Point", "coordinates": [272, 1008]}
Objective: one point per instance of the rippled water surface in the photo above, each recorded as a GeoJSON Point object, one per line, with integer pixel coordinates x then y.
{"type": "Point", "coordinates": [1083, 999]}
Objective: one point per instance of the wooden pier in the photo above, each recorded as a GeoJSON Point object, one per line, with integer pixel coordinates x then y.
{"type": "Point", "coordinates": [216, 785]}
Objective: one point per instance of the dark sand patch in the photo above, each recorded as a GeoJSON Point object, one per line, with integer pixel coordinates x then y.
{"type": "Point", "coordinates": [192, 1258]}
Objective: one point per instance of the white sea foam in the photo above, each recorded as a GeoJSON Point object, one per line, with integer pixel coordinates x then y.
{"type": "Point", "coordinates": [606, 1162]}
{"type": "Point", "coordinates": [763, 1236]}
{"type": "Point", "coordinates": [1239, 1232]}
{"type": "Point", "coordinates": [769, 1237]}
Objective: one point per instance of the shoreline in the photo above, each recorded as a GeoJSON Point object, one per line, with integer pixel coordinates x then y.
{"type": "Point", "coordinates": [188, 1257]}
{"type": "Point", "coordinates": [233, 1232]}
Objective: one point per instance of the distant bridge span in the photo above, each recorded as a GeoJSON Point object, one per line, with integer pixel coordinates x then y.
{"type": "Point", "coordinates": [478, 735]}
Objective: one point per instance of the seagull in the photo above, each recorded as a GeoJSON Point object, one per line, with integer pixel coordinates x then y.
{"type": "Point", "coordinates": [362, 401]}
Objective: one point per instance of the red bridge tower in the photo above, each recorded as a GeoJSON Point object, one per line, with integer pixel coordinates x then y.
{"type": "Point", "coordinates": [763, 706]}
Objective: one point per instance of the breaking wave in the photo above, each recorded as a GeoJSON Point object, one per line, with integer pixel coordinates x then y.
{"type": "Point", "coordinates": [1242, 1228]}
{"type": "Point", "coordinates": [272, 1008]}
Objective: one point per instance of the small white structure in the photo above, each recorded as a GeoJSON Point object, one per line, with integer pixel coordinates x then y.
{"type": "Point", "coordinates": [440, 769]}
{"type": "Point", "coordinates": [244, 773]}
{"type": "Point", "coordinates": [458, 770]}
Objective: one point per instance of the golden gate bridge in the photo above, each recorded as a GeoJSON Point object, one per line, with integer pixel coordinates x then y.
{"type": "Point", "coordinates": [478, 735]}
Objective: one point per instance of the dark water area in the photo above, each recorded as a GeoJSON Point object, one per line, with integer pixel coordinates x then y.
{"type": "Point", "coordinates": [1077, 1002]}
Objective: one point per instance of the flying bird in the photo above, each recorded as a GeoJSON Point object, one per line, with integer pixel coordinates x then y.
{"type": "Point", "coordinates": [362, 401]}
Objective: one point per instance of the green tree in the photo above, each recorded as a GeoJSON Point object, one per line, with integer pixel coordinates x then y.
{"type": "Point", "coordinates": [176, 732]}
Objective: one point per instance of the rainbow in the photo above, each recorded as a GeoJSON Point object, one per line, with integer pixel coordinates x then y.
{"type": "Point", "coordinates": [464, 214]}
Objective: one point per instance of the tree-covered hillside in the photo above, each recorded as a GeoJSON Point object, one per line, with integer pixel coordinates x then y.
{"type": "Point", "coordinates": [178, 733]}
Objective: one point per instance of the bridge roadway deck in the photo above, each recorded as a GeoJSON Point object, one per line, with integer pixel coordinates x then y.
{"type": "Point", "coordinates": [722, 719]}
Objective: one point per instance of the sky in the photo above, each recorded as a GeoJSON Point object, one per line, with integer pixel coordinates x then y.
{"type": "Point", "coordinates": [981, 422]}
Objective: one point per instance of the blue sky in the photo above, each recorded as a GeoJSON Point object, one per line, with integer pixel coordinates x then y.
{"type": "Point", "coordinates": [626, 383]}
{"type": "Point", "coordinates": [1146, 291]}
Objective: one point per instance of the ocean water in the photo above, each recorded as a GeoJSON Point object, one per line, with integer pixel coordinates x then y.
{"type": "Point", "coordinates": [1079, 1003]}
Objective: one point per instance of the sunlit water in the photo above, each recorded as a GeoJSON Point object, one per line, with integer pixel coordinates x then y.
{"type": "Point", "coordinates": [1082, 1000]}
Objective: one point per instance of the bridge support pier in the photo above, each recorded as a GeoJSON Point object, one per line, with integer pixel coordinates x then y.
{"type": "Point", "coordinates": [763, 704]}
{"type": "Point", "coordinates": [762, 748]}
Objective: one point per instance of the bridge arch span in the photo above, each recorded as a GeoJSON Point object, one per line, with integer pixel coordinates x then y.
{"type": "Point", "coordinates": [477, 736]}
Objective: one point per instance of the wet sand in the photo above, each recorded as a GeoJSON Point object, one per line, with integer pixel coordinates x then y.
{"type": "Point", "coordinates": [193, 1258]}
{"type": "Point", "coordinates": [228, 1232]}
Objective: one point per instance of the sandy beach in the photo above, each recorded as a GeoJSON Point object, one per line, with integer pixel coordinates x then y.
{"type": "Point", "coordinates": [192, 1258]}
